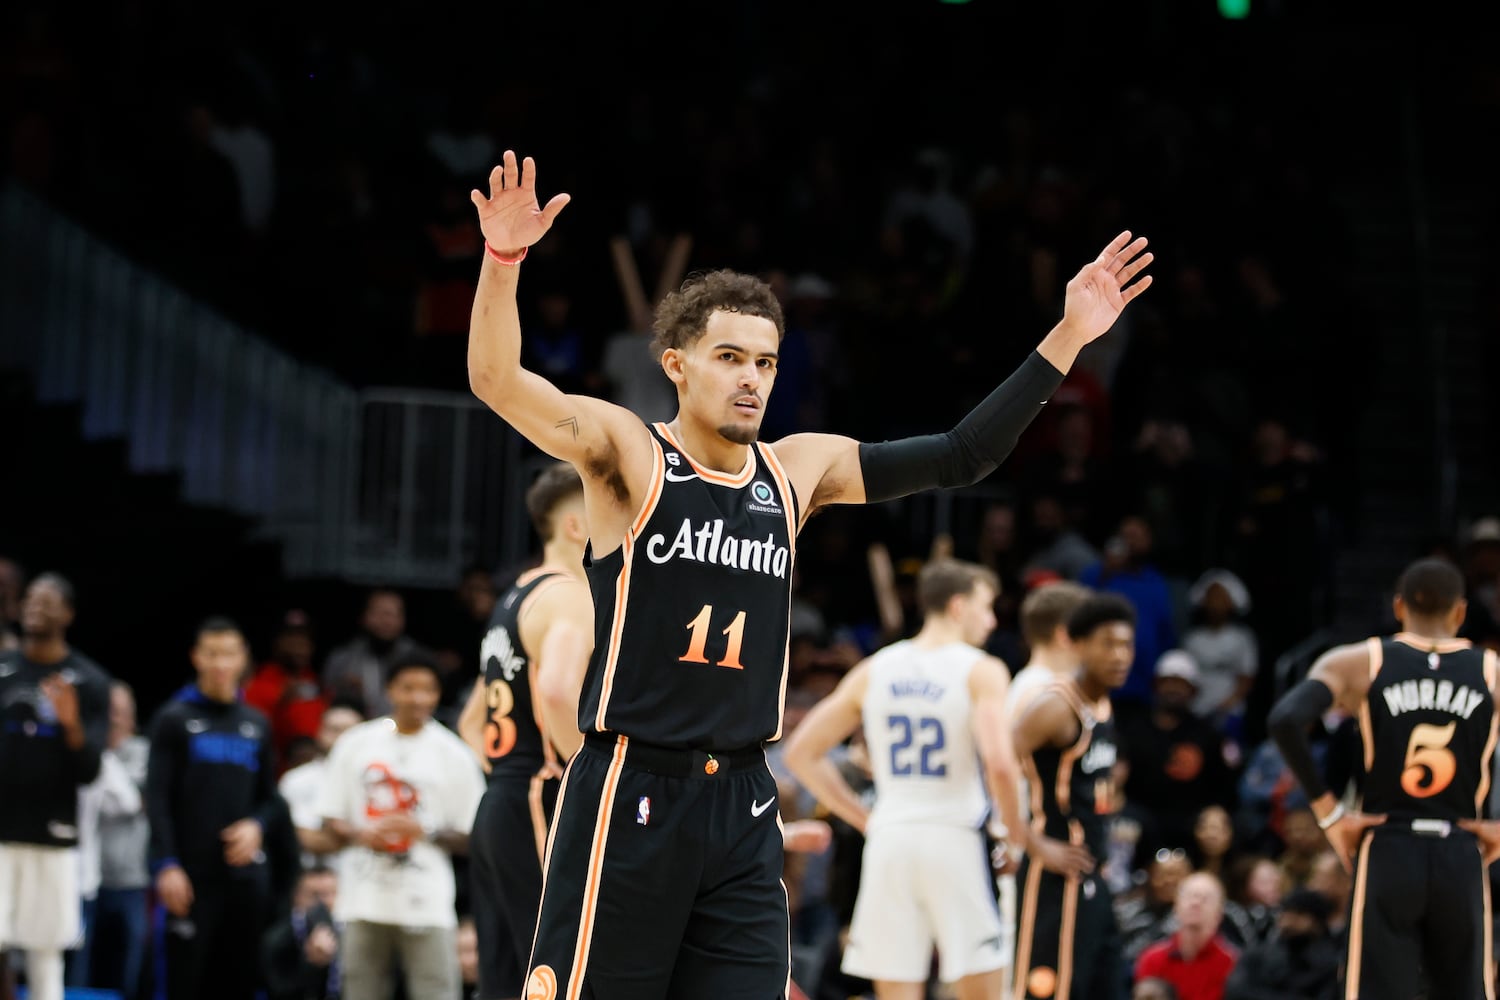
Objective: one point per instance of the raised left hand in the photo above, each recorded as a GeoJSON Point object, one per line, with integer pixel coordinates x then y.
{"type": "Point", "coordinates": [1100, 291]}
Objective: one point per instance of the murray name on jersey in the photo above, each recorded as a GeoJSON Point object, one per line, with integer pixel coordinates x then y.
{"type": "Point", "coordinates": [707, 543]}
{"type": "Point", "coordinates": [1431, 694]}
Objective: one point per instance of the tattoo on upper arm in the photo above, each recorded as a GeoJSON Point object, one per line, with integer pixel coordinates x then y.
{"type": "Point", "coordinates": [571, 423]}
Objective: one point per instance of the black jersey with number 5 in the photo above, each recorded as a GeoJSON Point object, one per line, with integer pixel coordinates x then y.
{"type": "Point", "coordinates": [692, 610]}
{"type": "Point", "coordinates": [513, 740]}
{"type": "Point", "coordinates": [1428, 727]}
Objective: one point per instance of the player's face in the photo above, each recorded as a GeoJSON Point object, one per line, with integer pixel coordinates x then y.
{"type": "Point", "coordinates": [728, 374]}
{"type": "Point", "coordinates": [1107, 652]}
{"type": "Point", "coordinates": [977, 614]}
{"type": "Point", "coordinates": [220, 659]}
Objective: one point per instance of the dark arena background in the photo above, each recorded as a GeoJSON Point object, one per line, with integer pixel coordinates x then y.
{"type": "Point", "coordinates": [238, 255]}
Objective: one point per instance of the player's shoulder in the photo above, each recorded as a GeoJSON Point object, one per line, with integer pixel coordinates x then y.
{"type": "Point", "coordinates": [86, 670]}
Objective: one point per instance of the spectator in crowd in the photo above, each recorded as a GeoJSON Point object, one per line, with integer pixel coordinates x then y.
{"type": "Point", "coordinates": [1134, 836]}
{"type": "Point", "coordinates": [302, 788]}
{"type": "Point", "coordinates": [1301, 962]}
{"type": "Point", "coordinates": [113, 794]}
{"type": "Point", "coordinates": [400, 793]}
{"type": "Point", "coordinates": [1268, 792]}
{"type": "Point", "coordinates": [635, 377]}
{"type": "Point", "coordinates": [1056, 545]}
{"type": "Point", "coordinates": [286, 688]}
{"type": "Point", "coordinates": [1146, 916]}
{"type": "Point", "coordinates": [1305, 843]}
{"type": "Point", "coordinates": [1177, 765]}
{"type": "Point", "coordinates": [211, 797]}
{"type": "Point", "coordinates": [355, 672]}
{"type": "Point", "coordinates": [12, 584]}
{"type": "Point", "coordinates": [1256, 887]}
{"type": "Point", "coordinates": [1223, 647]}
{"type": "Point", "coordinates": [1213, 841]}
{"type": "Point", "coordinates": [1127, 569]}
{"type": "Point", "coordinates": [301, 951]}
{"type": "Point", "coordinates": [1332, 880]}
{"type": "Point", "coordinates": [1196, 960]}
{"type": "Point", "coordinates": [468, 959]}
{"type": "Point", "coordinates": [54, 722]}
{"type": "Point", "coordinates": [120, 930]}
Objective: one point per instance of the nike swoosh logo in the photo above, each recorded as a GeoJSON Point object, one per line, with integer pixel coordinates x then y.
{"type": "Point", "coordinates": [756, 808]}
{"type": "Point", "coordinates": [674, 478]}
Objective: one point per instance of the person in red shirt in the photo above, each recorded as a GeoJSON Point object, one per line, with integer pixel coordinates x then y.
{"type": "Point", "coordinates": [1195, 960]}
{"type": "Point", "coordinates": [286, 688]}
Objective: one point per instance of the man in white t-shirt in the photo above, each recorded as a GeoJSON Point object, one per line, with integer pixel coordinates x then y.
{"type": "Point", "coordinates": [302, 787]}
{"type": "Point", "coordinates": [400, 792]}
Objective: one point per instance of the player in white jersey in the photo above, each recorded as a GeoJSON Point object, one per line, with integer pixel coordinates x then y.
{"type": "Point", "coordinates": [932, 709]}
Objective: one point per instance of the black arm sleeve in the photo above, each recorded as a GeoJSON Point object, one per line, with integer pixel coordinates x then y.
{"type": "Point", "coordinates": [968, 452]}
{"type": "Point", "coordinates": [1299, 708]}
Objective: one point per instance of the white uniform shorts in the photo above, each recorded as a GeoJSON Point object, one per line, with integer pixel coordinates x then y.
{"type": "Point", "coordinates": [922, 887]}
{"type": "Point", "coordinates": [39, 902]}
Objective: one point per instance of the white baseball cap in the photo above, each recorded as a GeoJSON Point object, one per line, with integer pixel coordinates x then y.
{"type": "Point", "coordinates": [1178, 663]}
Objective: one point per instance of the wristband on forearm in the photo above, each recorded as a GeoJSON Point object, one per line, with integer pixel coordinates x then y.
{"type": "Point", "coordinates": [968, 452]}
{"type": "Point", "coordinates": [1299, 708]}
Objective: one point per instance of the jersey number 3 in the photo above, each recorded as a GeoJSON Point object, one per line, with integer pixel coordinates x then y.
{"type": "Point", "coordinates": [1429, 766]}
{"type": "Point", "coordinates": [928, 735]}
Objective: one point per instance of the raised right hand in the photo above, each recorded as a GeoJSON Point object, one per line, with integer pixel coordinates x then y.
{"type": "Point", "coordinates": [510, 217]}
{"type": "Point", "coordinates": [175, 890]}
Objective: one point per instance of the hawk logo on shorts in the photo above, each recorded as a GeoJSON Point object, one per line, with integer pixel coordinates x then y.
{"type": "Point", "coordinates": [542, 985]}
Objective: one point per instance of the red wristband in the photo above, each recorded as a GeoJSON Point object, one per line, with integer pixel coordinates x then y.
{"type": "Point", "coordinates": [507, 261]}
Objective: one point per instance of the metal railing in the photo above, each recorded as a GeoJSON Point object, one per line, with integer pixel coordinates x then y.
{"type": "Point", "coordinates": [439, 483]}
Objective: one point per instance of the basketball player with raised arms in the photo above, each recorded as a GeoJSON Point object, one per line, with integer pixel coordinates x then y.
{"type": "Point", "coordinates": [663, 863]}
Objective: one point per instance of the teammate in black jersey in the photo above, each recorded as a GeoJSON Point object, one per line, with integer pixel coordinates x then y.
{"type": "Point", "coordinates": [522, 713]}
{"type": "Point", "coordinates": [1426, 708]}
{"type": "Point", "coordinates": [211, 797]}
{"type": "Point", "coordinates": [1068, 945]}
{"type": "Point", "coordinates": [664, 861]}
{"type": "Point", "coordinates": [54, 720]}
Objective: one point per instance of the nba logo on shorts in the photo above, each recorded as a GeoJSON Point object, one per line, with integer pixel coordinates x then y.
{"type": "Point", "coordinates": [643, 810]}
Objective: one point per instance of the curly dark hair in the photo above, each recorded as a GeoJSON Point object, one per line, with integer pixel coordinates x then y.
{"type": "Point", "coordinates": [683, 315]}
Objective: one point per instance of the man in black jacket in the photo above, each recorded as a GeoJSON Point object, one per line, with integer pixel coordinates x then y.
{"type": "Point", "coordinates": [1300, 962]}
{"type": "Point", "coordinates": [54, 719]}
{"type": "Point", "coordinates": [211, 796]}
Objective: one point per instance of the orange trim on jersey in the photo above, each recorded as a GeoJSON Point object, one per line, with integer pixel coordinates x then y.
{"type": "Point", "coordinates": [773, 466]}
{"type": "Point", "coordinates": [1069, 921]}
{"type": "Point", "coordinates": [1357, 921]}
{"type": "Point", "coordinates": [1026, 920]}
{"type": "Point", "coordinates": [1376, 653]}
{"type": "Point", "coordinates": [653, 493]}
{"type": "Point", "coordinates": [562, 790]}
{"type": "Point", "coordinates": [1429, 645]}
{"type": "Point", "coordinates": [595, 871]}
{"type": "Point", "coordinates": [1490, 660]}
{"type": "Point", "coordinates": [622, 583]}
{"type": "Point", "coordinates": [538, 814]}
{"type": "Point", "coordinates": [1489, 929]}
{"type": "Point", "coordinates": [709, 475]}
